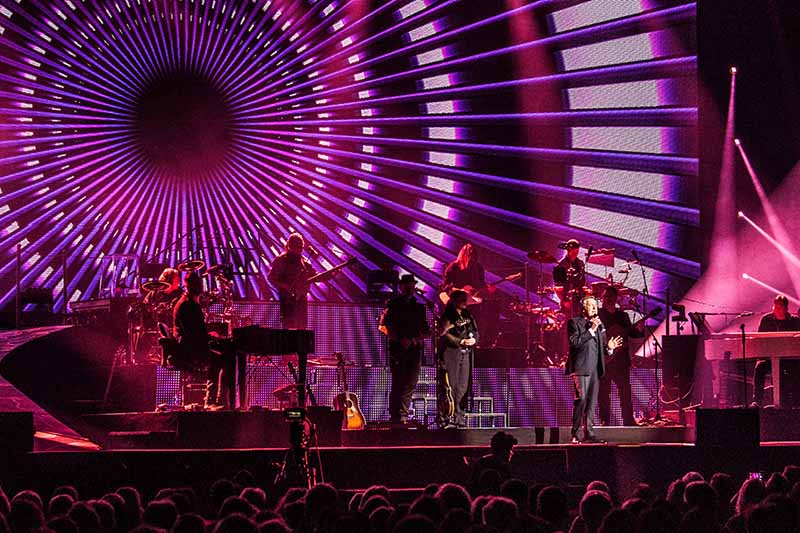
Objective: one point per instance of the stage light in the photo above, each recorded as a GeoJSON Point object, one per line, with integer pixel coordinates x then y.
{"type": "Point", "coordinates": [740, 214]}
{"type": "Point", "coordinates": [733, 70]}
{"type": "Point", "coordinates": [737, 142]}
{"type": "Point", "coordinates": [745, 275]}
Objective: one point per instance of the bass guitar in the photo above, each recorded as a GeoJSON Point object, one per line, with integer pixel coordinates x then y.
{"type": "Point", "coordinates": [346, 401]}
{"type": "Point", "coordinates": [299, 286]}
{"type": "Point", "coordinates": [476, 296]}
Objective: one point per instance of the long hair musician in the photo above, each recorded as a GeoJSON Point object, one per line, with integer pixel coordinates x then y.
{"type": "Point", "coordinates": [458, 334]}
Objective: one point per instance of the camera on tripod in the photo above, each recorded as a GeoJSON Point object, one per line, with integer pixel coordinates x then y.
{"type": "Point", "coordinates": [291, 414]}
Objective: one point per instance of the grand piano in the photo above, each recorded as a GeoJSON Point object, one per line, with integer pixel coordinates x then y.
{"type": "Point", "coordinates": [770, 345]}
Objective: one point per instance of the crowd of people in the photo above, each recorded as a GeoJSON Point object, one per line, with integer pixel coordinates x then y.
{"type": "Point", "coordinates": [491, 501]}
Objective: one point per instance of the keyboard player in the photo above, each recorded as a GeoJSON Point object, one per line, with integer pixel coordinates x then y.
{"type": "Point", "coordinates": [778, 320]}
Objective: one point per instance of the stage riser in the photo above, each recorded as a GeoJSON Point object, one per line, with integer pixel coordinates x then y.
{"type": "Point", "coordinates": [206, 430]}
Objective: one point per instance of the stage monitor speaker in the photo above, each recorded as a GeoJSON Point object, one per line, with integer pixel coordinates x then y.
{"type": "Point", "coordinates": [728, 428]}
{"type": "Point", "coordinates": [16, 433]}
{"type": "Point", "coordinates": [679, 361]}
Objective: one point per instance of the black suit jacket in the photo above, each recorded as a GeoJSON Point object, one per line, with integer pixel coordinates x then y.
{"type": "Point", "coordinates": [580, 360]}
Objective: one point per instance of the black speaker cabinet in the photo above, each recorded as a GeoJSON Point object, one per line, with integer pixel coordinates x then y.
{"type": "Point", "coordinates": [728, 428]}
{"type": "Point", "coordinates": [16, 433]}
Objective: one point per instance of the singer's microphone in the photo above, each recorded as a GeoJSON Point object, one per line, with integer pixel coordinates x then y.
{"type": "Point", "coordinates": [589, 252]}
{"type": "Point", "coordinates": [636, 255]}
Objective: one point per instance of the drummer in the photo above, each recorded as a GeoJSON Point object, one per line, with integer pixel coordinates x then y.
{"type": "Point", "coordinates": [170, 292]}
{"type": "Point", "coordinates": [570, 274]}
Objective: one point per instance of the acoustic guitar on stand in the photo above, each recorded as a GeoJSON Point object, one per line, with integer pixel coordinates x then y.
{"type": "Point", "coordinates": [346, 401]}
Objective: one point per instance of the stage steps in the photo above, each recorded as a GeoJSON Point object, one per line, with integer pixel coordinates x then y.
{"type": "Point", "coordinates": [424, 411]}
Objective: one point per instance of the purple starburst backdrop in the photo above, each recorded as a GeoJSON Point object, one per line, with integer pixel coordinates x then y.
{"type": "Point", "coordinates": [391, 131]}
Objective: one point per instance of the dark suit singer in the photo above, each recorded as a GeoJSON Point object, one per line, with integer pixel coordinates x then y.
{"type": "Point", "coordinates": [588, 347]}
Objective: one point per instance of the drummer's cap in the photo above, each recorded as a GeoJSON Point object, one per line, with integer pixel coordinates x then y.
{"type": "Point", "coordinates": [407, 278]}
{"type": "Point", "coordinates": [572, 244]}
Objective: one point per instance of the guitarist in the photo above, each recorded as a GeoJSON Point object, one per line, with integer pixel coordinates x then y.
{"type": "Point", "coordinates": [289, 273]}
{"type": "Point", "coordinates": [618, 366]}
{"type": "Point", "coordinates": [467, 273]}
{"type": "Point", "coordinates": [405, 322]}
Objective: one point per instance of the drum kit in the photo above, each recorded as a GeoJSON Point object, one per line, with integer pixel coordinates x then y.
{"type": "Point", "coordinates": [157, 304]}
{"type": "Point", "coordinates": [545, 323]}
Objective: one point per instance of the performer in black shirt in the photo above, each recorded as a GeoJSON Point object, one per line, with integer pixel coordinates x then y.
{"type": "Point", "coordinates": [405, 322]}
{"type": "Point", "coordinates": [570, 275]}
{"type": "Point", "coordinates": [778, 320]}
{"type": "Point", "coordinates": [588, 347]}
{"type": "Point", "coordinates": [289, 273]}
{"type": "Point", "coordinates": [193, 346]}
{"type": "Point", "coordinates": [618, 366]}
{"type": "Point", "coordinates": [458, 334]}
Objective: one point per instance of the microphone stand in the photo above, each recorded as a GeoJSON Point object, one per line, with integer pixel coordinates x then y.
{"type": "Point", "coordinates": [160, 251]}
{"type": "Point", "coordinates": [744, 368]}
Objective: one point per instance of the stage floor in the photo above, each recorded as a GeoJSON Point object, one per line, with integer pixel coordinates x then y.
{"type": "Point", "coordinates": [268, 429]}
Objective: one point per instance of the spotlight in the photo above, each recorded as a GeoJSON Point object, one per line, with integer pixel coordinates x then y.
{"type": "Point", "coordinates": [740, 214]}
{"type": "Point", "coordinates": [733, 71]}
{"type": "Point", "coordinates": [745, 275]}
{"type": "Point", "coordinates": [737, 142]}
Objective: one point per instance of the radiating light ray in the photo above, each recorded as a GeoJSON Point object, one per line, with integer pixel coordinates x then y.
{"type": "Point", "coordinates": [769, 287]}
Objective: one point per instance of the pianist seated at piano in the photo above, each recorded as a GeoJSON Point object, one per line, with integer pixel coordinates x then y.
{"type": "Point", "coordinates": [193, 349]}
{"type": "Point", "coordinates": [778, 320]}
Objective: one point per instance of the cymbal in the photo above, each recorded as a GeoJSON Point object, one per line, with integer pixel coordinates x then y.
{"type": "Point", "coordinates": [542, 256]}
{"type": "Point", "coordinates": [155, 286]}
{"type": "Point", "coordinates": [191, 265]}
{"type": "Point", "coordinates": [216, 268]}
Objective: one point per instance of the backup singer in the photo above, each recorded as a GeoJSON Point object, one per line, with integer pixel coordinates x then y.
{"type": "Point", "coordinates": [289, 273]}
{"type": "Point", "coordinates": [193, 347]}
{"type": "Point", "coordinates": [458, 335]}
{"type": "Point", "coordinates": [588, 348]}
{"type": "Point", "coordinates": [778, 320]}
{"type": "Point", "coordinates": [406, 324]}
{"type": "Point", "coordinates": [618, 366]}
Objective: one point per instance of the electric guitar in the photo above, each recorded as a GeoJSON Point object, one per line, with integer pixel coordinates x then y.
{"type": "Point", "coordinates": [346, 401]}
{"type": "Point", "coordinates": [296, 288]}
{"type": "Point", "coordinates": [475, 295]}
